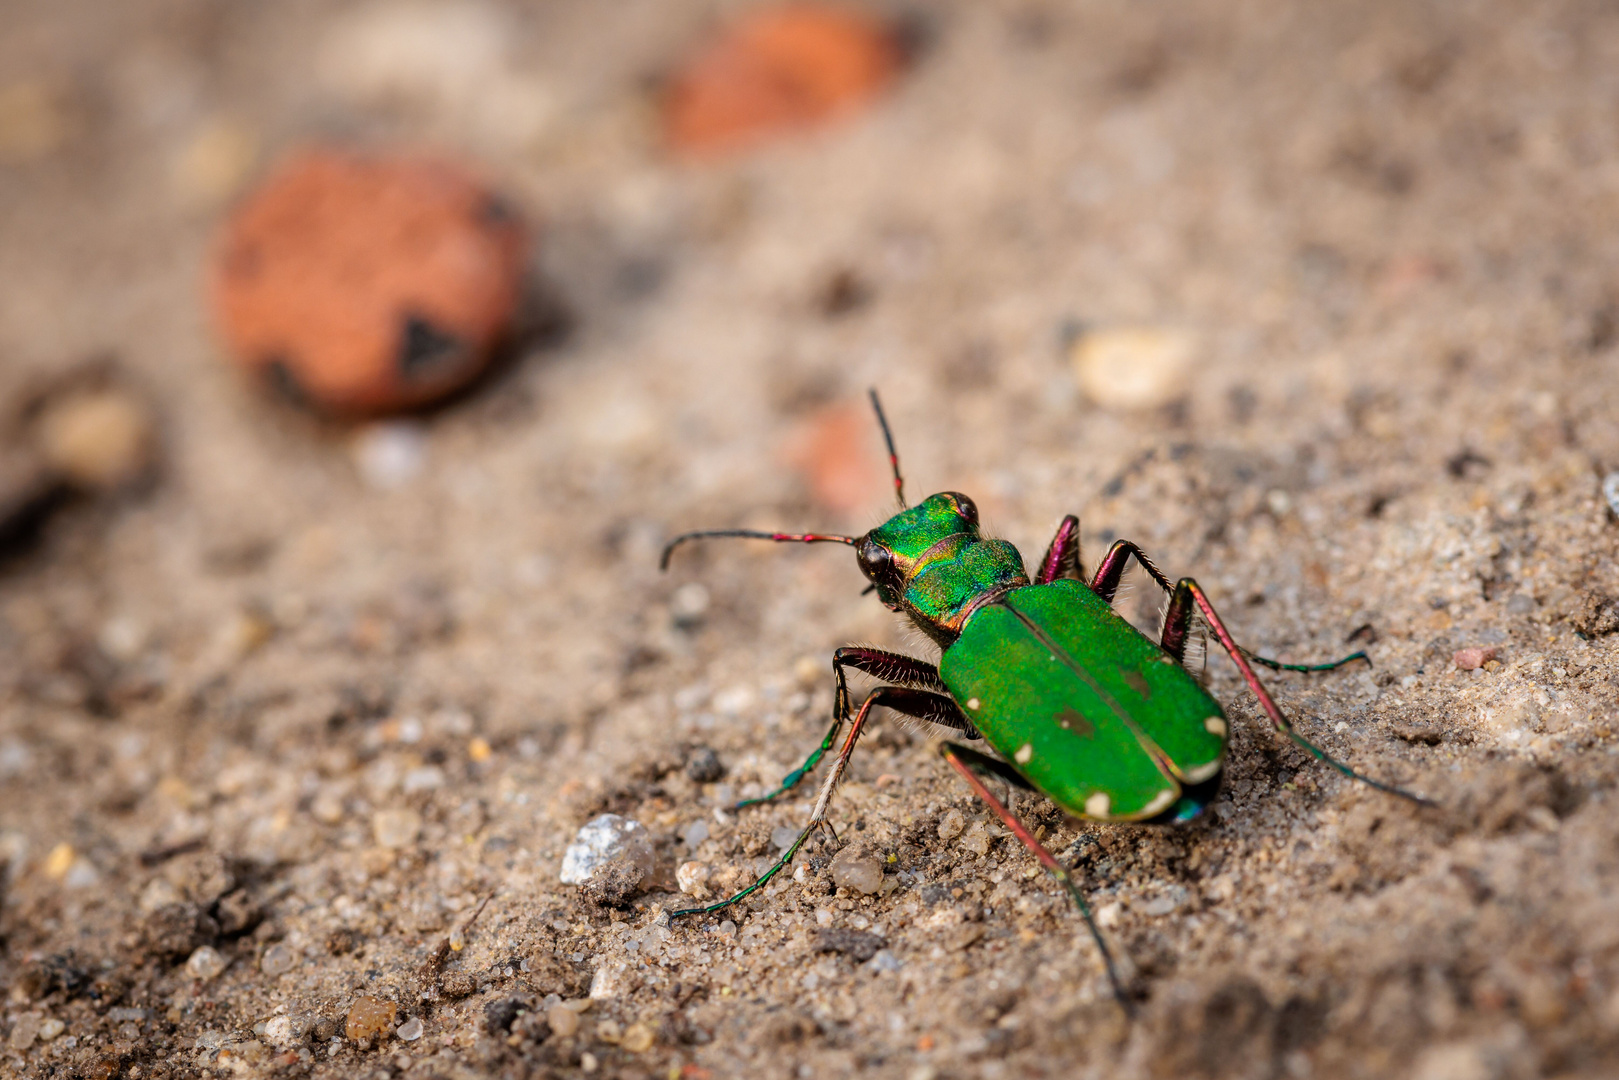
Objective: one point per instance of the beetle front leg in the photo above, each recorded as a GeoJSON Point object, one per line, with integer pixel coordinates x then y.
{"type": "Point", "coordinates": [1188, 596]}
{"type": "Point", "coordinates": [1061, 559]}
{"type": "Point", "coordinates": [891, 667]}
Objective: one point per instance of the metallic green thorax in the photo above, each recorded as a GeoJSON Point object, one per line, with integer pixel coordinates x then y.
{"type": "Point", "coordinates": [931, 562]}
{"type": "Point", "coordinates": [1077, 700]}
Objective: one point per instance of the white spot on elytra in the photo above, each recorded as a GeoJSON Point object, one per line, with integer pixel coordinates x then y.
{"type": "Point", "coordinates": [1159, 802]}
{"type": "Point", "coordinates": [1201, 772]}
{"type": "Point", "coordinates": [972, 703]}
{"type": "Point", "coordinates": [1098, 805]}
{"type": "Point", "coordinates": [1215, 725]}
{"type": "Point", "coordinates": [1025, 754]}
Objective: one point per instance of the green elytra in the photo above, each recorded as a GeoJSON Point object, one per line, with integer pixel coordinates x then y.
{"type": "Point", "coordinates": [1076, 702]}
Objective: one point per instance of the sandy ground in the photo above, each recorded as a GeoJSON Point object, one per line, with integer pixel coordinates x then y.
{"type": "Point", "coordinates": [272, 730]}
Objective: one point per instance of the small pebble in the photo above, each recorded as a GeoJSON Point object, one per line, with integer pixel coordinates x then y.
{"type": "Point", "coordinates": [411, 1029]}
{"type": "Point", "coordinates": [50, 1028]}
{"type": "Point", "coordinates": [692, 877]}
{"type": "Point", "coordinates": [1473, 658]}
{"type": "Point", "coordinates": [689, 604]}
{"type": "Point", "coordinates": [603, 840]}
{"type": "Point", "coordinates": [367, 284]}
{"type": "Point", "coordinates": [1132, 367]}
{"type": "Point", "coordinates": [588, 1062]}
{"type": "Point", "coordinates": [885, 961]}
{"type": "Point", "coordinates": [609, 1032]}
{"type": "Point", "coordinates": [563, 1020]}
{"type": "Point", "coordinates": [23, 1032]}
{"type": "Point", "coordinates": [703, 766]}
{"type": "Point", "coordinates": [390, 455]}
{"type": "Point", "coordinates": [1160, 905]}
{"type": "Point", "coordinates": [782, 837]}
{"type": "Point", "coordinates": [286, 1031]}
{"type": "Point", "coordinates": [60, 861]}
{"type": "Point", "coordinates": [859, 872]}
{"type": "Point", "coordinates": [778, 69]}
{"type": "Point", "coordinates": [278, 959]}
{"type": "Point", "coordinates": [396, 829]}
{"type": "Point", "coordinates": [637, 1039]}
{"type": "Point", "coordinates": [370, 1017]}
{"type": "Point", "coordinates": [695, 833]}
{"type": "Point", "coordinates": [98, 440]}
{"type": "Point", "coordinates": [610, 981]}
{"type": "Point", "coordinates": [1610, 490]}
{"type": "Point", "coordinates": [951, 824]}
{"type": "Point", "coordinates": [206, 964]}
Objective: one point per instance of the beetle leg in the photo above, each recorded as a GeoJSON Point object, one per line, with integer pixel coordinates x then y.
{"type": "Point", "coordinates": [899, 670]}
{"type": "Point", "coordinates": [1108, 572]}
{"type": "Point", "coordinates": [1189, 594]}
{"type": "Point", "coordinates": [1276, 665]}
{"type": "Point", "coordinates": [791, 780]}
{"type": "Point", "coordinates": [1062, 557]}
{"type": "Point", "coordinates": [968, 762]}
{"type": "Point", "coordinates": [888, 666]}
{"type": "Point", "coordinates": [918, 703]}
{"type": "Point", "coordinates": [1106, 584]}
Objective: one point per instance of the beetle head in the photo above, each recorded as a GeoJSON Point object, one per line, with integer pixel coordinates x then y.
{"type": "Point", "coordinates": [894, 552]}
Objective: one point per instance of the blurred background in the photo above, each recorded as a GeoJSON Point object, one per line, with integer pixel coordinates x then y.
{"type": "Point", "coordinates": [1316, 301]}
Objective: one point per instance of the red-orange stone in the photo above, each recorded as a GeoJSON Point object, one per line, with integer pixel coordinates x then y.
{"type": "Point", "coordinates": [368, 284]}
{"type": "Point", "coordinates": [775, 70]}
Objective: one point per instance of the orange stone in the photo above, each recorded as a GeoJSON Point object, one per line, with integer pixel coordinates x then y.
{"type": "Point", "coordinates": [775, 70]}
{"type": "Point", "coordinates": [837, 452]}
{"type": "Point", "coordinates": [359, 284]}
{"type": "Point", "coordinates": [370, 1017]}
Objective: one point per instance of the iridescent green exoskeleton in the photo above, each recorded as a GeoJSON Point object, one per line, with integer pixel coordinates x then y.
{"type": "Point", "coordinates": [1075, 702]}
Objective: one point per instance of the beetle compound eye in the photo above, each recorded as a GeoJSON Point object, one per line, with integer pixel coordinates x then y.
{"type": "Point", "coordinates": [876, 561]}
{"type": "Point", "coordinates": [966, 507]}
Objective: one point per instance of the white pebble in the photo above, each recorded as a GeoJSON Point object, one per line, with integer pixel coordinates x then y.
{"type": "Point", "coordinates": [427, 778]}
{"type": "Point", "coordinates": [695, 833]}
{"type": "Point", "coordinates": [610, 981]}
{"type": "Point", "coordinates": [1132, 367]}
{"type": "Point", "coordinates": [396, 828]}
{"type": "Point", "coordinates": [411, 1029]}
{"type": "Point", "coordinates": [389, 455]}
{"type": "Point", "coordinates": [692, 877]}
{"type": "Point", "coordinates": [50, 1028]}
{"type": "Point", "coordinates": [951, 824]}
{"type": "Point", "coordinates": [864, 874]}
{"type": "Point", "coordinates": [689, 604]}
{"type": "Point", "coordinates": [607, 839]}
{"type": "Point", "coordinates": [206, 963]}
{"type": "Point", "coordinates": [1610, 490]}
{"type": "Point", "coordinates": [277, 960]}
{"type": "Point", "coordinates": [1161, 905]}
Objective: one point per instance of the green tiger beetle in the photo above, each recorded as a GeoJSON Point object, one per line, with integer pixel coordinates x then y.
{"type": "Point", "coordinates": [1077, 704]}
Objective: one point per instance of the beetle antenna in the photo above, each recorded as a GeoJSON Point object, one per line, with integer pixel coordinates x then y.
{"type": "Point", "coordinates": [893, 455]}
{"type": "Point", "coordinates": [751, 534]}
